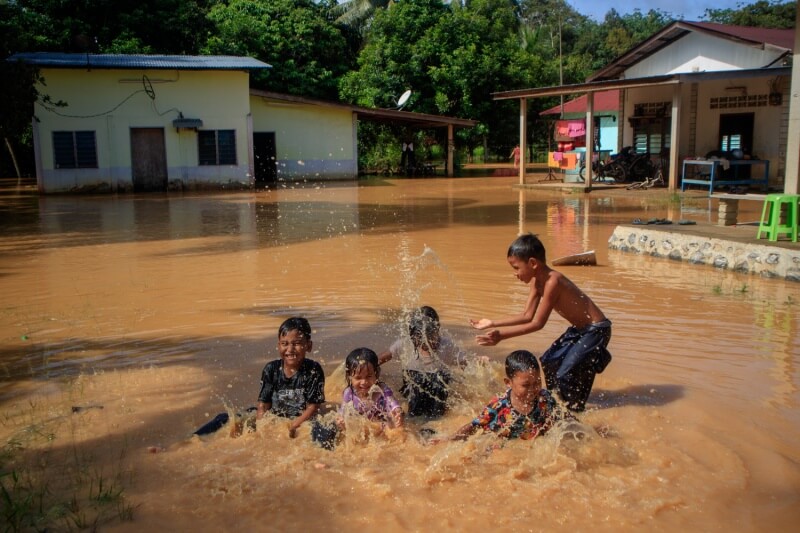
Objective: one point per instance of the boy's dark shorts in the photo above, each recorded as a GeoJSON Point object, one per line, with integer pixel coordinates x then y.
{"type": "Point", "coordinates": [571, 363]}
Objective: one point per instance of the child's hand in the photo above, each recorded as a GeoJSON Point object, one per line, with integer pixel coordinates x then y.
{"type": "Point", "coordinates": [395, 434]}
{"type": "Point", "coordinates": [292, 431]}
{"type": "Point", "coordinates": [490, 339]}
{"type": "Point", "coordinates": [483, 323]}
{"type": "Point", "coordinates": [375, 429]}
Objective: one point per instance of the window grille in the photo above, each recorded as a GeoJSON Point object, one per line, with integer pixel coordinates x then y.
{"type": "Point", "coordinates": [216, 147]}
{"type": "Point", "coordinates": [75, 149]}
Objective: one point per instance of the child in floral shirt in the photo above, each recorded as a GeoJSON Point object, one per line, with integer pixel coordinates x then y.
{"type": "Point", "coordinates": [525, 411]}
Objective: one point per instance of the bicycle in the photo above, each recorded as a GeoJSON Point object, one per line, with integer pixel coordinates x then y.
{"type": "Point", "coordinates": [657, 180]}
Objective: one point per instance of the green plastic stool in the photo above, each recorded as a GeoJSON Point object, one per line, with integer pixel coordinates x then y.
{"type": "Point", "coordinates": [777, 207]}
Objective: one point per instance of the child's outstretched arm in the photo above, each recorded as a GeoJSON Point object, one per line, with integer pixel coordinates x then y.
{"type": "Point", "coordinates": [262, 409]}
{"type": "Point", "coordinates": [398, 418]}
{"type": "Point", "coordinates": [384, 357]}
{"type": "Point", "coordinates": [462, 434]}
{"type": "Point", "coordinates": [525, 316]}
{"type": "Point", "coordinates": [310, 410]}
{"type": "Point", "coordinates": [533, 318]}
{"type": "Point", "coordinates": [464, 431]}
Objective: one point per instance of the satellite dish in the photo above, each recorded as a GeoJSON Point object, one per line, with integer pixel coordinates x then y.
{"type": "Point", "coordinates": [403, 99]}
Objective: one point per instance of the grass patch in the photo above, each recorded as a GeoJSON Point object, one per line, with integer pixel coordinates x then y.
{"type": "Point", "coordinates": [47, 484]}
{"type": "Point", "coordinates": [34, 498]}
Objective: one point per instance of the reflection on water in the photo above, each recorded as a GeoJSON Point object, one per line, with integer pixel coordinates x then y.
{"type": "Point", "coordinates": [164, 309]}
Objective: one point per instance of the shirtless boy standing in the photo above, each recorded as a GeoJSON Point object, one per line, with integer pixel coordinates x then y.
{"type": "Point", "coordinates": [573, 360]}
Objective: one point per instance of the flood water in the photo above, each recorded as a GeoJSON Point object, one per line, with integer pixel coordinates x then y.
{"type": "Point", "coordinates": [130, 321]}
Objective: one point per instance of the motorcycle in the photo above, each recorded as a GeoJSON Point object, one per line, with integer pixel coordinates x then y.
{"type": "Point", "coordinates": [625, 166]}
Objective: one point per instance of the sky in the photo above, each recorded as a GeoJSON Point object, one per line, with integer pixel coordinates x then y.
{"type": "Point", "coordinates": [691, 10]}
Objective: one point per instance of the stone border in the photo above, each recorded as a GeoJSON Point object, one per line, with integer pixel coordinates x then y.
{"type": "Point", "coordinates": [766, 261]}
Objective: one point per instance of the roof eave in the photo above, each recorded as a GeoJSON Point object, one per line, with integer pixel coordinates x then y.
{"type": "Point", "coordinates": [605, 85]}
{"type": "Point", "coordinates": [387, 115]}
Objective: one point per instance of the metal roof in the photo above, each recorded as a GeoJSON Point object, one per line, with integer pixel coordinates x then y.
{"type": "Point", "coordinates": [126, 61]}
{"type": "Point", "coordinates": [421, 120]}
{"type": "Point", "coordinates": [578, 88]}
{"type": "Point", "coordinates": [603, 101]}
{"type": "Point", "coordinates": [667, 79]}
{"type": "Point", "coordinates": [759, 37]}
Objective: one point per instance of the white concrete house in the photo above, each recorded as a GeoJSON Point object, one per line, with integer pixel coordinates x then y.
{"type": "Point", "coordinates": [142, 123]}
{"type": "Point", "coordinates": [148, 123]}
{"type": "Point", "coordinates": [694, 88]}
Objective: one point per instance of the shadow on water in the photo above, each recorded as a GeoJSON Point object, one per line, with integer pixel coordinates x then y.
{"type": "Point", "coordinates": [227, 355]}
{"type": "Point", "coordinates": [649, 395]}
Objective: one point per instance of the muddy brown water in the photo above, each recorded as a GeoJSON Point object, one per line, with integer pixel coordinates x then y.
{"type": "Point", "coordinates": [152, 314]}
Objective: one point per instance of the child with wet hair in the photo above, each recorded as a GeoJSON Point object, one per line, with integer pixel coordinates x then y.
{"type": "Point", "coordinates": [364, 396]}
{"type": "Point", "coordinates": [292, 386]}
{"type": "Point", "coordinates": [525, 411]}
{"type": "Point", "coordinates": [426, 372]}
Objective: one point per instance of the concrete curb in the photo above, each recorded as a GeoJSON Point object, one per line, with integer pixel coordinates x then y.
{"type": "Point", "coordinates": [751, 258]}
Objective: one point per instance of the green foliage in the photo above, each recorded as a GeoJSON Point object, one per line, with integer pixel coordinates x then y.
{"type": "Point", "coordinates": [99, 26]}
{"type": "Point", "coordinates": [357, 14]}
{"type": "Point", "coordinates": [378, 147]}
{"type": "Point", "coordinates": [307, 53]}
{"type": "Point", "coordinates": [617, 34]}
{"type": "Point", "coordinates": [47, 488]}
{"type": "Point", "coordinates": [763, 14]}
{"type": "Point", "coordinates": [452, 59]}
{"type": "Point", "coordinates": [393, 59]}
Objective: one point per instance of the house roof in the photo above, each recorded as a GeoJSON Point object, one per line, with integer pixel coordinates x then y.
{"type": "Point", "coordinates": [603, 101]}
{"type": "Point", "coordinates": [126, 61]}
{"type": "Point", "coordinates": [758, 37]}
{"type": "Point", "coordinates": [421, 120]}
{"type": "Point", "coordinates": [651, 81]}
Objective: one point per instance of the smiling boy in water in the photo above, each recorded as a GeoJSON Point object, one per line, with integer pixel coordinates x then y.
{"type": "Point", "coordinates": [292, 386]}
{"type": "Point", "coordinates": [525, 411]}
{"type": "Point", "coordinates": [571, 362]}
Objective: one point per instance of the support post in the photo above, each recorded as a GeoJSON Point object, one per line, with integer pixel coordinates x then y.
{"type": "Point", "coordinates": [451, 148]}
{"type": "Point", "coordinates": [523, 135]}
{"type": "Point", "coordinates": [791, 182]}
{"type": "Point", "coordinates": [589, 155]}
{"type": "Point", "coordinates": [674, 132]}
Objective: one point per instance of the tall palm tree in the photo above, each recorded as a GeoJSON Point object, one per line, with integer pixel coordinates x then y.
{"type": "Point", "coordinates": [357, 14]}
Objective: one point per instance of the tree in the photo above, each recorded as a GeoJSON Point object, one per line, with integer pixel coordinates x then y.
{"type": "Point", "coordinates": [390, 62]}
{"type": "Point", "coordinates": [357, 14]}
{"type": "Point", "coordinates": [19, 90]}
{"type": "Point", "coordinates": [452, 57]}
{"type": "Point", "coordinates": [307, 53]}
{"type": "Point", "coordinates": [480, 54]}
{"type": "Point", "coordinates": [124, 26]}
{"type": "Point", "coordinates": [762, 14]}
{"type": "Point", "coordinates": [618, 34]}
